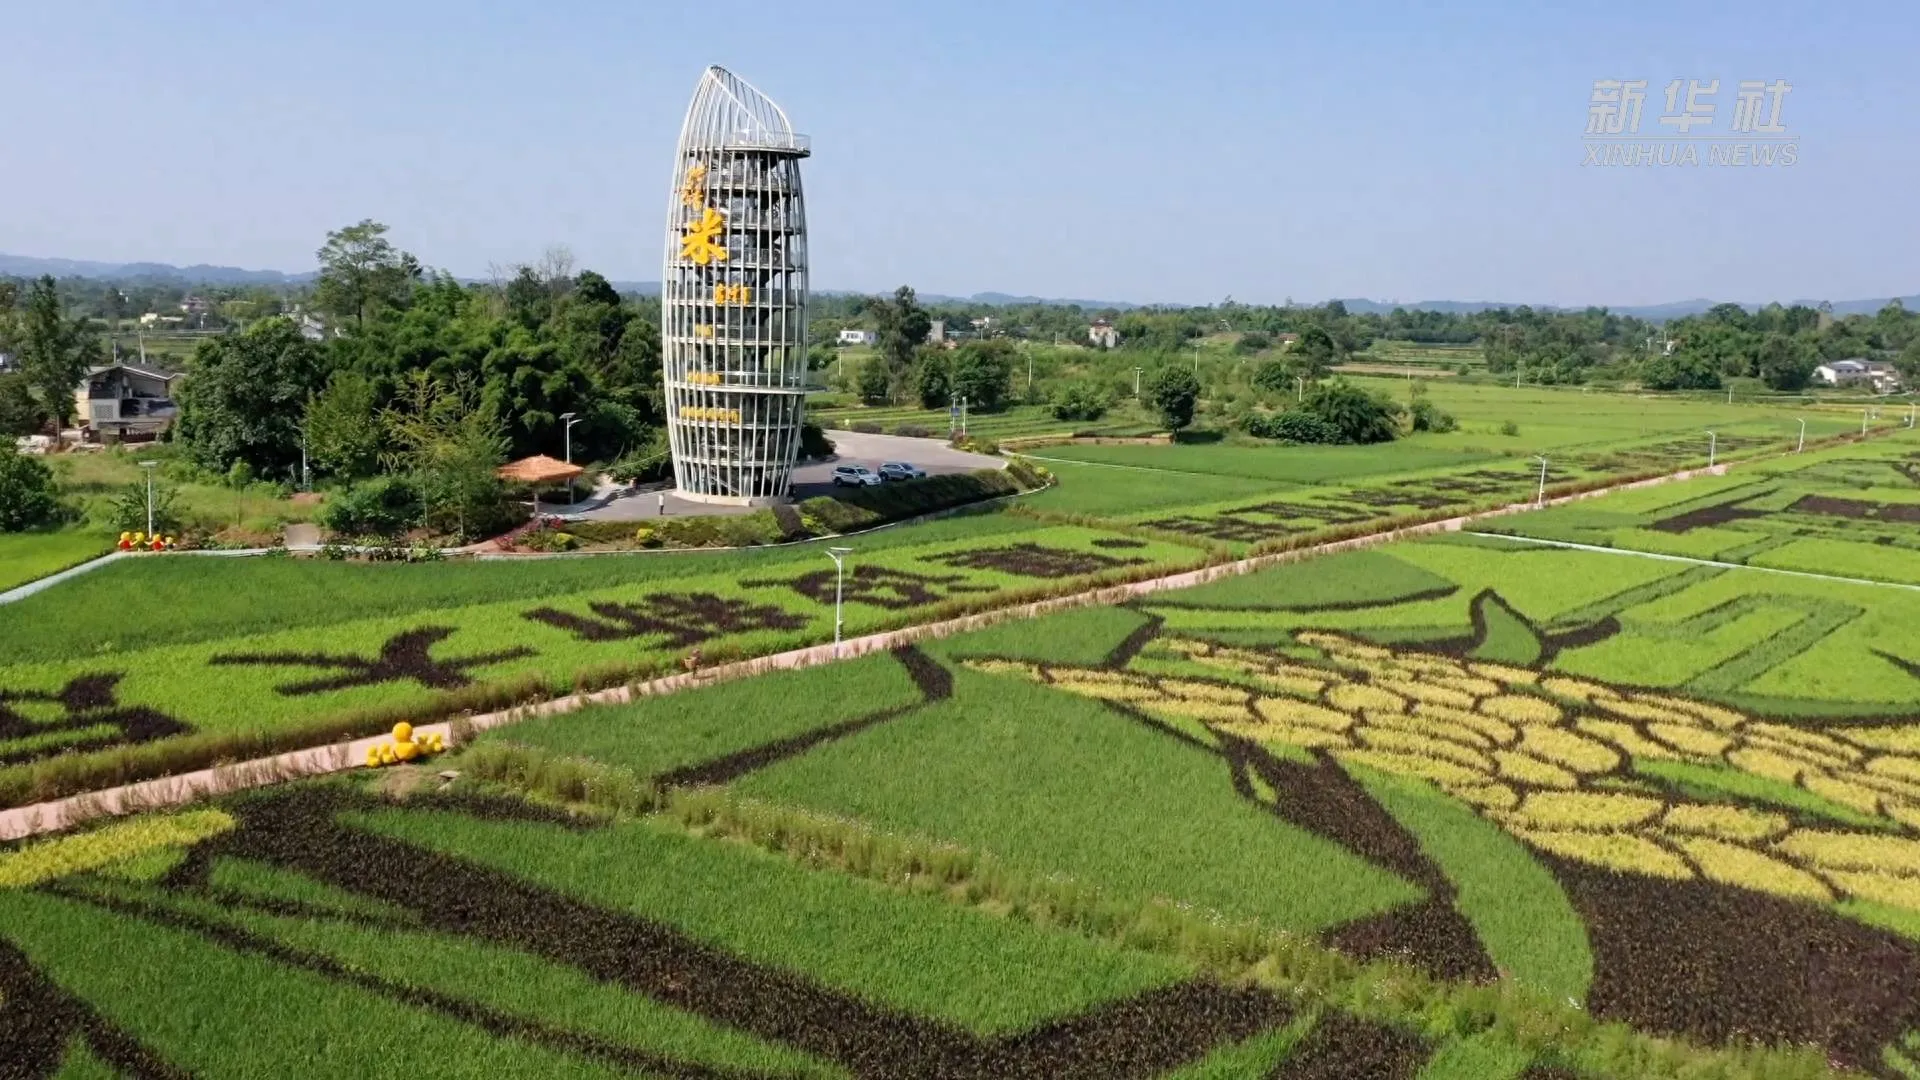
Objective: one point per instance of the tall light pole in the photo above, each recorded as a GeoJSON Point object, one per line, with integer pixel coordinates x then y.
{"type": "Point", "coordinates": [1803, 437]}
{"type": "Point", "coordinates": [1909, 414]}
{"type": "Point", "coordinates": [1729, 395]}
{"type": "Point", "coordinates": [839, 557]}
{"type": "Point", "coordinates": [1299, 388]}
{"type": "Point", "coordinates": [1136, 383]}
{"type": "Point", "coordinates": [1863, 421]}
{"type": "Point", "coordinates": [569, 418]}
{"type": "Point", "coordinates": [1540, 499]}
{"type": "Point", "coordinates": [1713, 442]}
{"type": "Point", "coordinates": [148, 465]}
{"type": "Point", "coordinates": [1056, 341]}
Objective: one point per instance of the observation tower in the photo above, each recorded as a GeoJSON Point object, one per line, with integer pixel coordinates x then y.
{"type": "Point", "coordinates": [733, 296]}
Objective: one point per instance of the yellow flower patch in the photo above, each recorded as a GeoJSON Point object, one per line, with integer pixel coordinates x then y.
{"type": "Point", "coordinates": [1200, 691]}
{"type": "Point", "coordinates": [1445, 773]}
{"type": "Point", "coordinates": [1618, 851]}
{"type": "Point", "coordinates": [1690, 740]}
{"type": "Point", "coordinates": [1731, 864]}
{"type": "Point", "coordinates": [1900, 740]}
{"type": "Point", "coordinates": [1422, 724]}
{"type": "Point", "coordinates": [1488, 796]}
{"type": "Point", "coordinates": [61, 856]}
{"type": "Point", "coordinates": [1289, 711]}
{"type": "Point", "coordinates": [1902, 892]}
{"type": "Point", "coordinates": [1355, 697]}
{"type": "Point", "coordinates": [1493, 729]}
{"type": "Point", "coordinates": [1521, 709]}
{"type": "Point", "coordinates": [1529, 770]}
{"type": "Point", "coordinates": [1578, 689]}
{"type": "Point", "coordinates": [1854, 851]}
{"type": "Point", "coordinates": [1768, 764]}
{"type": "Point", "coordinates": [1725, 822]}
{"type": "Point", "coordinates": [1624, 736]}
{"type": "Point", "coordinates": [1584, 810]}
{"type": "Point", "coordinates": [1386, 738]}
{"type": "Point", "coordinates": [1812, 742]}
{"type": "Point", "coordinates": [1858, 796]}
{"type": "Point", "coordinates": [1568, 749]}
{"type": "Point", "coordinates": [1428, 692]}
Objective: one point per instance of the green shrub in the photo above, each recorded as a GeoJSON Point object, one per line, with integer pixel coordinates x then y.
{"type": "Point", "coordinates": [1080, 401]}
{"type": "Point", "coordinates": [130, 510]}
{"type": "Point", "coordinates": [386, 506]}
{"type": "Point", "coordinates": [29, 498]}
{"type": "Point", "coordinates": [1426, 416]}
{"type": "Point", "coordinates": [549, 540]}
{"type": "Point", "coordinates": [814, 442]}
{"type": "Point", "coordinates": [1294, 425]}
{"type": "Point", "coordinates": [1359, 416]}
{"type": "Point", "coordinates": [1509, 428]}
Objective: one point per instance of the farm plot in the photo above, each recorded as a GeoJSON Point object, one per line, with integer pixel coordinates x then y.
{"type": "Point", "coordinates": [1850, 512]}
{"type": "Point", "coordinates": [68, 721]}
{"type": "Point", "coordinates": [25, 557]}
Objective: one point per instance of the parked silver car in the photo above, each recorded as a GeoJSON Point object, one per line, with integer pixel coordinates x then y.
{"type": "Point", "coordinates": [900, 470]}
{"type": "Point", "coordinates": [855, 476]}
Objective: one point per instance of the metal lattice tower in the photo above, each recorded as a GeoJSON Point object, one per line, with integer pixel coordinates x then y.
{"type": "Point", "coordinates": [733, 296]}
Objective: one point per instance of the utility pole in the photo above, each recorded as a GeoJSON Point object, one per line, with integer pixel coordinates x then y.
{"type": "Point", "coordinates": [963, 416]}
{"type": "Point", "coordinates": [1299, 388]}
{"type": "Point", "coordinates": [1729, 395]}
{"type": "Point", "coordinates": [148, 465]}
{"type": "Point", "coordinates": [1713, 442]}
{"type": "Point", "coordinates": [839, 557]}
{"type": "Point", "coordinates": [570, 421]}
{"type": "Point", "coordinates": [1540, 499]}
{"type": "Point", "coordinates": [1136, 384]}
{"type": "Point", "coordinates": [1056, 341]}
{"type": "Point", "coordinates": [1803, 438]}
{"type": "Point", "coordinates": [1863, 421]}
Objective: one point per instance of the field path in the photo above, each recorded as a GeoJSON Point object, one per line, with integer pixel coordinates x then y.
{"type": "Point", "coordinates": [1692, 561]}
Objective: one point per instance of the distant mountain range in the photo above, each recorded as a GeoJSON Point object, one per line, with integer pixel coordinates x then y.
{"type": "Point", "coordinates": [201, 274]}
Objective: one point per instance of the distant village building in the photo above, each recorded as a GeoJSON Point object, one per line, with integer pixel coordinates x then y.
{"type": "Point", "coordinates": [196, 305]}
{"type": "Point", "coordinates": [1102, 334]}
{"type": "Point", "coordinates": [937, 332]}
{"type": "Point", "coordinates": [311, 328]}
{"type": "Point", "coordinates": [1857, 371]}
{"type": "Point", "coordinates": [858, 337]}
{"type": "Point", "coordinates": [1286, 341]}
{"type": "Point", "coordinates": [118, 402]}
{"type": "Point", "coordinates": [153, 318]}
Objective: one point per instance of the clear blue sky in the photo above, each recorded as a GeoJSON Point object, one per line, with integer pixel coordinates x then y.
{"type": "Point", "coordinates": [1124, 150]}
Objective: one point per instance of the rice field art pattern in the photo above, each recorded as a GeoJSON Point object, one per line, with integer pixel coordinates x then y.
{"type": "Point", "coordinates": [1734, 876]}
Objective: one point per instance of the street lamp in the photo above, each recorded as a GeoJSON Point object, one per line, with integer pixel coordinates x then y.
{"type": "Point", "coordinates": [569, 418]}
{"type": "Point", "coordinates": [148, 465]}
{"type": "Point", "coordinates": [1136, 383]}
{"type": "Point", "coordinates": [1803, 437]}
{"type": "Point", "coordinates": [1540, 499]}
{"type": "Point", "coordinates": [1863, 421]}
{"type": "Point", "coordinates": [1713, 442]}
{"type": "Point", "coordinates": [839, 557]}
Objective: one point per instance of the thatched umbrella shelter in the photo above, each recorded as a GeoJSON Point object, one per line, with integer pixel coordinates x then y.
{"type": "Point", "coordinates": [536, 471]}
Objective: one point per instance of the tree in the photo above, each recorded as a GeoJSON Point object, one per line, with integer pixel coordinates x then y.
{"type": "Point", "coordinates": [20, 412]}
{"type": "Point", "coordinates": [933, 383]}
{"type": "Point", "coordinates": [54, 351]}
{"type": "Point", "coordinates": [438, 432]}
{"type": "Point", "coordinates": [1316, 352]}
{"type": "Point", "coordinates": [1359, 417]}
{"type": "Point", "coordinates": [342, 427]}
{"type": "Point", "coordinates": [245, 395]}
{"type": "Point", "coordinates": [1783, 365]}
{"type": "Point", "coordinates": [1681, 371]}
{"type": "Point", "coordinates": [873, 380]}
{"type": "Point", "coordinates": [982, 373]}
{"type": "Point", "coordinates": [29, 498]}
{"type": "Point", "coordinates": [1080, 401]}
{"type": "Point", "coordinates": [902, 326]}
{"type": "Point", "coordinates": [361, 272]}
{"type": "Point", "coordinates": [1276, 376]}
{"type": "Point", "coordinates": [1175, 392]}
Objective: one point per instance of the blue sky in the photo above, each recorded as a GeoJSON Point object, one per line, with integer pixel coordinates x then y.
{"type": "Point", "coordinates": [1124, 150]}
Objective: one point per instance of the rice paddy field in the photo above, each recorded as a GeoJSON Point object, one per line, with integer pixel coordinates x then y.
{"type": "Point", "coordinates": [1594, 791]}
{"type": "Point", "coordinates": [28, 556]}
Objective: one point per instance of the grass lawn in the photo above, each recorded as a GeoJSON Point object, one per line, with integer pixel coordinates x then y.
{"type": "Point", "coordinates": [26, 557]}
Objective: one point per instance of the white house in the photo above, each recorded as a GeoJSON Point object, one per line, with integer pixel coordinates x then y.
{"type": "Point", "coordinates": [858, 337]}
{"type": "Point", "coordinates": [117, 402]}
{"type": "Point", "coordinates": [1102, 334]}
{"type": "Point", "coordinates": [1856, 370]}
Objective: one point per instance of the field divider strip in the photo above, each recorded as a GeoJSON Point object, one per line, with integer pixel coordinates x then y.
{"type": "Point", "coordinates": [1695, 560]}
{"type": "Point", "coordinates": [168, 791]}
{"type": "Point", "coordinates": [21, 592]}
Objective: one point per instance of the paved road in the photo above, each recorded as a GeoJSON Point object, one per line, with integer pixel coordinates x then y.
{"type": "Point", "coordinates": [816, 478]}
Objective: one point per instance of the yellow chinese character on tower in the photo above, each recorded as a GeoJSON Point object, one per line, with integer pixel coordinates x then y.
{"type": "Point", "coordinates": [693, 190]}
{"type": "Point", "coordinates": [700, 244]}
